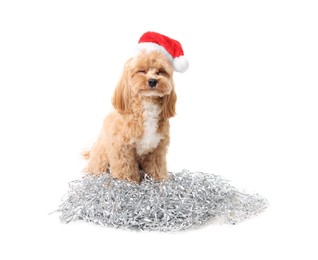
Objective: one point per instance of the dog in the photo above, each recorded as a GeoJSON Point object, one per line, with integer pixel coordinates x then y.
{"type": "Point", "coordinates": [135, 136]}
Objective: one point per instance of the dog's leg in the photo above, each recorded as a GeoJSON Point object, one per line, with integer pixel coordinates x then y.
{"type": "Point", "coordinates": [98, 160]}
{"type": "Point", "coordinates": [155, 163]}
{"type": "Point", "coordinates": [123, 163]}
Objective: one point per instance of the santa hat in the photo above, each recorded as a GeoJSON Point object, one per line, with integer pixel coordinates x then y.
{"type": "Point", "coordinates": [151, 41]}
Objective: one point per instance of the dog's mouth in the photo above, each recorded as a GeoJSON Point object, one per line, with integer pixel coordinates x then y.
{"type": "Point", "coordinates": [152, 93]}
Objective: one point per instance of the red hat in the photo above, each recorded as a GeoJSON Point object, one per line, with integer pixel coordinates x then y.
{"type": "Point", "coordinates": [171, 48]}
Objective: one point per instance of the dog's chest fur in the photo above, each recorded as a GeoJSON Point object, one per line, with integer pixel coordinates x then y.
{"type": "Point", "coordinates": [150, 138]}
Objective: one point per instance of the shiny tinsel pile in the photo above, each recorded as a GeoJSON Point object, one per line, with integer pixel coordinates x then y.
{"type": "Point", "coordinates": [185, 200]}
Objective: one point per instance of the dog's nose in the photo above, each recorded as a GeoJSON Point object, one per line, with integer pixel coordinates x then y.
{"type": "Point", "coordinates": [152, 83]}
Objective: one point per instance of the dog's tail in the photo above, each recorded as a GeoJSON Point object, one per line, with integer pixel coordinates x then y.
{"type": "Point", "coordinates": [86, 154]}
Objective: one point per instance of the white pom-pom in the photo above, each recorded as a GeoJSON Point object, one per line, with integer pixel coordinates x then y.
{"type": "Point", "coordinates": [180, 64]}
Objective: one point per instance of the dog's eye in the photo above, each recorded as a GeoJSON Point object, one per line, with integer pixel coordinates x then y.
{"type": "Point", "coordinates": [161, 72]}
{"type": "Point", "coordinates": [142, 71]}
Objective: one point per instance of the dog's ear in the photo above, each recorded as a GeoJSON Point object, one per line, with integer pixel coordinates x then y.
{"type": "Point", "coordinates": [169, 104]}
{"type": "Point", "coordinates": [121, 97]}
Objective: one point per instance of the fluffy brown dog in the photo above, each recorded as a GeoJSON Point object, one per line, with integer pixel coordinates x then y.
{"type": "Point", "coordinates": [136, 135]}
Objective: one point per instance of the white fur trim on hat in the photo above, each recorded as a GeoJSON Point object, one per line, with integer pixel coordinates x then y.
{"type": "Point", "coordinates": [150, 46]}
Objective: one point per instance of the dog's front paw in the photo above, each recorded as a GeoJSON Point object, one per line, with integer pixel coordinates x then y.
{"type": "Point", "coordinates": [159, 176]}
{"type": "Point", "coordinates": [132, 176]}
{"type": "Point", "coordinates": [95, 171]}
{"type": "Point", "coordinates": [95, 174]}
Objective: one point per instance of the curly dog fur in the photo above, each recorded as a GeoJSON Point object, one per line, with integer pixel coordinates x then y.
{"type": "Point", "coordinates": [135, 136]}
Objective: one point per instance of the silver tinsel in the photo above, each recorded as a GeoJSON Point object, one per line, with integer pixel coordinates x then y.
{"type": "Point", "coordinates": [186, 199]}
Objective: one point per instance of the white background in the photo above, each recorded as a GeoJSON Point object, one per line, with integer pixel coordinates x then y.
{"type": "Point", "coordinates": [247, 110]}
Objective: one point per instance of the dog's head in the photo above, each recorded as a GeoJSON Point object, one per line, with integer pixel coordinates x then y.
{"type": "Point", "coordinates": [148, 75]}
